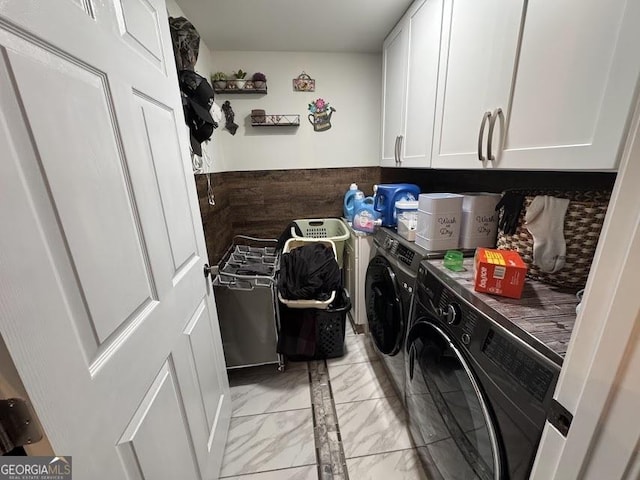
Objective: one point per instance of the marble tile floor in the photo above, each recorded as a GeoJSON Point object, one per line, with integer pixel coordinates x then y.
{"type": "Point", "coordinates": [337, 419]}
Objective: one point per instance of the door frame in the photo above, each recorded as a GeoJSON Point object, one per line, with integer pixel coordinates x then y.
{"type": "Point", "coordinates": [596, 383]}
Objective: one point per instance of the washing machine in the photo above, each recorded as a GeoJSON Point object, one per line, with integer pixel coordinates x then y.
{"type": "Point", "coordinates": [389, 284]}
{"type": "Point", "coordinates": [477, 393]}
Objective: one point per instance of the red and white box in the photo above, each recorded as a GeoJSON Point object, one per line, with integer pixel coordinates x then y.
{"type": "Point", "coordinates": [499, 272]}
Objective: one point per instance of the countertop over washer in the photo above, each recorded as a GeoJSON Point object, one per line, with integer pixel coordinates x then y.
{"type": "Point", "coordinates": [546, 313]}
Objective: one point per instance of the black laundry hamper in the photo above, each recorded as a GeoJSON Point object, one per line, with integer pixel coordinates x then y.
{"type": "Point", "coordinates": [314, 333]}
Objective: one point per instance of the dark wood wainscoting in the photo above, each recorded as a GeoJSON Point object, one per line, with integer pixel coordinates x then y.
{"type": "Point", "coordinates": [262, 203]}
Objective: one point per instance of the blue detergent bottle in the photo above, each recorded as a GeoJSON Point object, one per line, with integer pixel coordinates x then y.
{"type": "Point", "coordinates": [366, 218]}
{"type": "Point", "coordinates": [352, 199]}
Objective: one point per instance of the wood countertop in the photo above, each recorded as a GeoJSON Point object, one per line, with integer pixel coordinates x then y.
{"type": "Point", "coordinates": [545, 313]}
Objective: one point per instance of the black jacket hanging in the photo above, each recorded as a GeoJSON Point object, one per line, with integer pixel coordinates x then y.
{"type": "Point", "coordinates": [197, 98]}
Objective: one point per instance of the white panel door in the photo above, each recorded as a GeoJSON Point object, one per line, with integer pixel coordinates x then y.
{"type": "Point", "coordinates": [394, 85]}
{"type": "Point", "coordinates": [480, 40]}
{"type": "Point", "coordinates": [574, 87]}
{"type": "Point", "coordinates": [103, 303]}
{"type": "Point", "coordinates": [425, 26]}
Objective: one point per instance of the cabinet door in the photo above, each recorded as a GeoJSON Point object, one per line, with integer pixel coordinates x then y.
{"type": "Point", "coordinates": [425, 26]}
{"type": "Point", "coordinates": [480, 40]}
{"type": "Point", "coordinates": [395, 52]}
{"type": "Point", "coordinates": [575, 81]}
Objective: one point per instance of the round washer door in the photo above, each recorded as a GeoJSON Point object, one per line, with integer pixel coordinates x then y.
{"type": "Point", "coordinates": [446, 405]}
{"type": "Point", "coordinates": [384, 306]}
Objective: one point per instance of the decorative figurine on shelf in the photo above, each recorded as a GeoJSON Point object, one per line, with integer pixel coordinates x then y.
{"type": "Point", "coordinates": [320, 116]}
{"type": "Point", "coordinates": [229, 116]}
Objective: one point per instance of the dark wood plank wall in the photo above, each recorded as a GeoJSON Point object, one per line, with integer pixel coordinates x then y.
{"type": "Point", "coordinates": [262, 203]}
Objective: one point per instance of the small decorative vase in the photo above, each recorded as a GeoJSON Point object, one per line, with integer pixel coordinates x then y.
{"type": "Point", "coordinates": [220, 84]}
{"type": "Point", "coordinates": [240, 83]}
{"type": "Point", "coordinates": [259, 85]}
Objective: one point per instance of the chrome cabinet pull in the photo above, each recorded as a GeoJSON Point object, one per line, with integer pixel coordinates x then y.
{"type": "Point", "coordinates": [395, 151]}
{"type": "Point", "coordinates": [401, 139]}
{"type": "Point", "coordinates": [492, 124]}
{"type": "Point", "coordinates": [486, 117]}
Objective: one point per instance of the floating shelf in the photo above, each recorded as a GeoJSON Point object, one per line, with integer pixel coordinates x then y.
{"type": "Point", "coordinates": [249, 88]}
{"type": "Point", "coordinates": [276, 120]}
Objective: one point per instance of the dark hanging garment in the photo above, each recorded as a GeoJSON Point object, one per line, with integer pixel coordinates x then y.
{"type": "Point", "coordinates": [310, 272]}
{"type": "Point", "coordinates": [197, 98]}
{"type": "Point", "coordinates": [186, 43]}
{"type": "Point", "coordinates": [197, 94]}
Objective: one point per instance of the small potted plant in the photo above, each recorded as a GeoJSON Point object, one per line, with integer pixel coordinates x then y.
{"type": "Point", "coordinates": [219, 80]}
{"type": "Point", "coordinates": [240, 81]}
{"type": "Point", "coordinates": [259, 80]}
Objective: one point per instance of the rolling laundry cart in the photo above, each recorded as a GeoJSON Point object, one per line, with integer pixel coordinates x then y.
{"type": "Point", "coordinates": [245, 293]}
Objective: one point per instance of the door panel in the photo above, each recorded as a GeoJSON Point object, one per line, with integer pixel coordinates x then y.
{"type": "Point", "coordinates": [152, 430]}
{"type": "Point", "coordinates": [165, 158]}
{"type": "Point", "coordinates": [394, 91]}
{"type": "Point", "coordinates": [138, 20]}
{"type": "Point", "coordinates": [476, 70]}
{"type": "Point", "coordinates": [102, 258]}
{"type": "Point", "coordinates": [84, 5]}
{"type": "Point", "coordinates": [424, 52]}
{"type": "Point", "coordinates": [76, 96]}
{"type": "Point", "coordinates": [571, 114]}
{"type": "Point", "coordinates": [202, 354]}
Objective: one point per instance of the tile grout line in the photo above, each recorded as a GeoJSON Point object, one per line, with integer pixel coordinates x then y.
{"type": "Point", "coordinates": [332, 463]}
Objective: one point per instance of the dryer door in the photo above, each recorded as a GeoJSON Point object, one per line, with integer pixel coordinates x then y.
{"type": "Point", "coordinates": [448, 412]}
{"type": "Point", "coordinates": [384, 306]}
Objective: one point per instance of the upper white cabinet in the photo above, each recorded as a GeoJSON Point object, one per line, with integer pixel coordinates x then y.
{"type": "Point", "coordinates": [410, 60]}
{"type": "Point", "coordinates": [395, 51]}
{"type": "Point", "coordinates": [540, 85]}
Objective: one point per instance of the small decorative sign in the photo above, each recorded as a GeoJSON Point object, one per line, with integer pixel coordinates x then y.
{"type": "Point", "coordinates": [304, 83]}
{"type": "Point", "coordinates": [320, 116]}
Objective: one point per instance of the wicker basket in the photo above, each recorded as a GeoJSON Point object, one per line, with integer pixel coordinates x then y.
{"type": "Point", "coordinates": [582, 225]}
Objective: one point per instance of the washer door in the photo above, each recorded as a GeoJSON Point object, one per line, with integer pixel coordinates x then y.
{"type": "Point", "coordinates": [447, 409]}
{"type": "Point", "coordinates": [384, 306]}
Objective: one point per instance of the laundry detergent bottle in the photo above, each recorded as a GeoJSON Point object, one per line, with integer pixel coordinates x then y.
{"type": "Point", "coordinates": [386, 197]}
{"type": "Point", "coordinates": [365, 218]}
{"type": "Point", "coordinates": [351, 201]}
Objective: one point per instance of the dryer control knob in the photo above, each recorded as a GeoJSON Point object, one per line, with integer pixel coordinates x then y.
{"type": "Point", "coordinates": [452, 314]}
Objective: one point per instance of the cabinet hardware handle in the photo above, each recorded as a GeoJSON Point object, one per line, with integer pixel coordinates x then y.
{"type": "Point", "coordinates": [486, 117]}
{"type": "Point", "coordinates": [395, 151]}
{"type": "Point", "coordinates": [492, 124]}
{"type": "Point", "coordinates": [401, 138]}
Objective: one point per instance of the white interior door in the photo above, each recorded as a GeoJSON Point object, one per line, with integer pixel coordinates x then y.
{"type": "Point", "coordinates": [103, 303]}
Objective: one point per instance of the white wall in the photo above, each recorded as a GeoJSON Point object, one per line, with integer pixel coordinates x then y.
{"type": "Point", "coordinates": [350, 82]}
{"type": "Point", "coordinates": [203, 67]}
